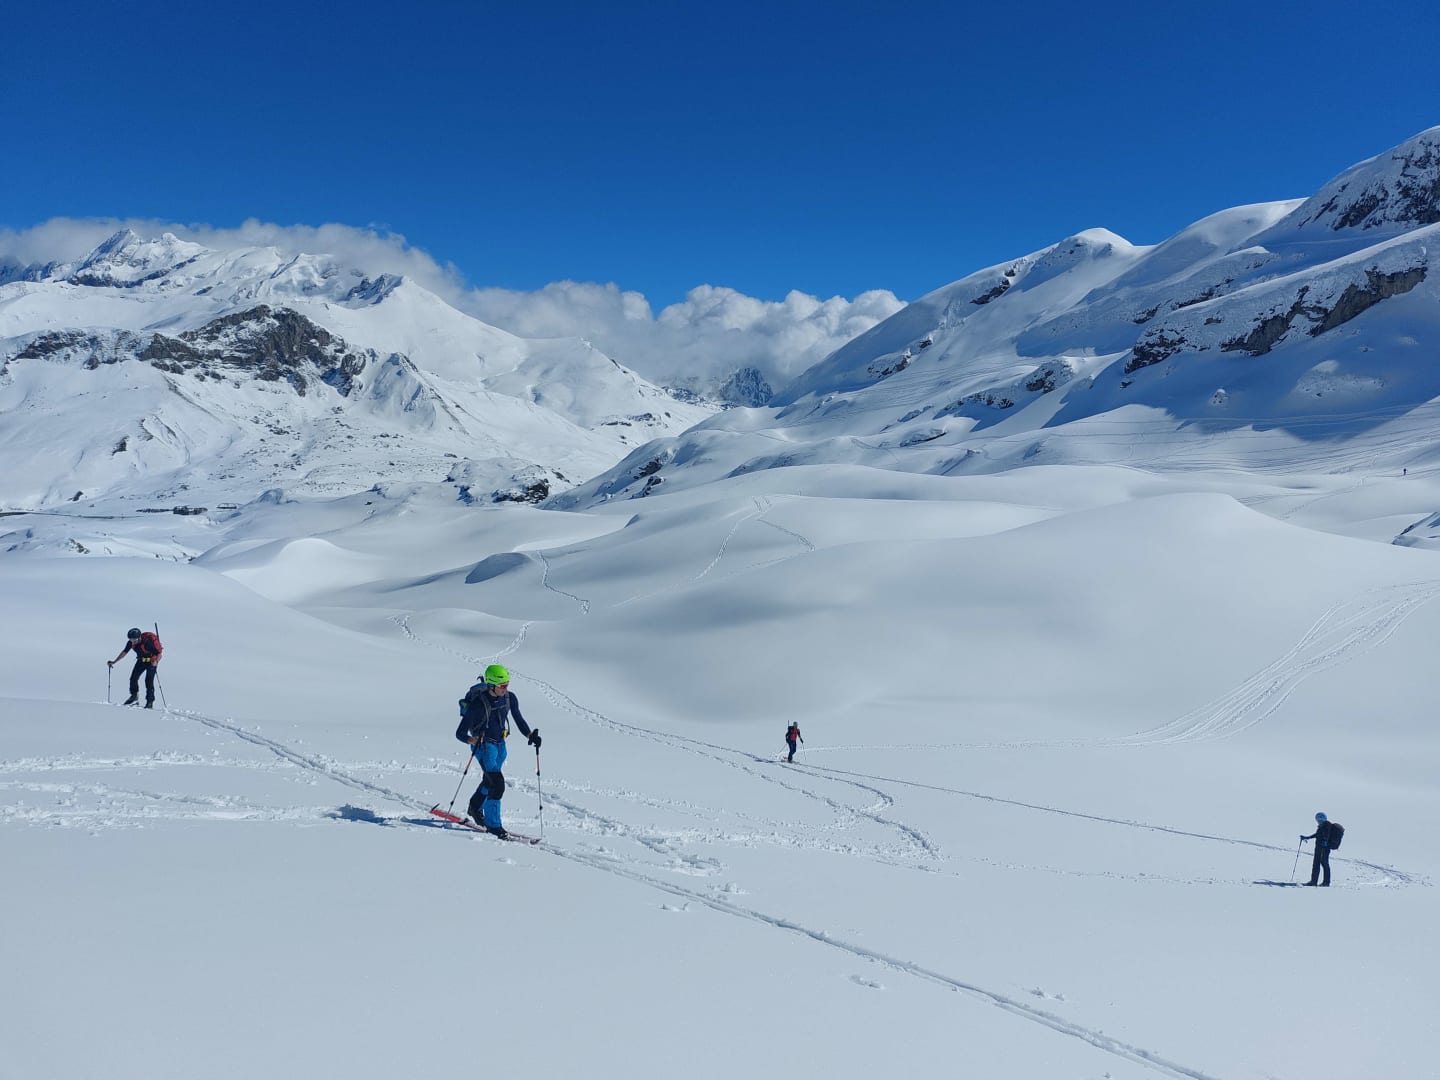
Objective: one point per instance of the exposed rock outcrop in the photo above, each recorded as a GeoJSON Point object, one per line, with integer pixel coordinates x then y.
{"type": "Point", "coordinates": [746, 387]}
{"type": "Point", "coordinates": [267, 344]}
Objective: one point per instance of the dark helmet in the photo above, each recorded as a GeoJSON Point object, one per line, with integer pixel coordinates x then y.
{"type": "Point", "coordinates": [133, 633]}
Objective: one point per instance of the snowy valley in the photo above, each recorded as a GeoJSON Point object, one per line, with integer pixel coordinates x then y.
{"type": "Point", "coordinates": [1089, 578]}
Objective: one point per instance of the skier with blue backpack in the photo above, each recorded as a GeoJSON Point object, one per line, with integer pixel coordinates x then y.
{"type": "Point", "coordinates": [485, 714]}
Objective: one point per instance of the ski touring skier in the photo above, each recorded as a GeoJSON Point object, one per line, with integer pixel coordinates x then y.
{"type": "Point", "coordinates": [1324, 841]}
{"type": "Point", "coordinates": [485, 715]}
{"type": "Point", "coordinates": [792, 733]}
{"type": "Point", "coordinates": [147, 649]}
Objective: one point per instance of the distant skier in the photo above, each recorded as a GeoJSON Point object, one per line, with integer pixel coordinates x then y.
{"type": "Point", "coordinates": [792, 734]}
{"type": "Point", "coordinates": [485, 714]}
{"type": "Point", "coordinates": [1323, 837]}
{"type": "Point", "coordinates": [147, 649]}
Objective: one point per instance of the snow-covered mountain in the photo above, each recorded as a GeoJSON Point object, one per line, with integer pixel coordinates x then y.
{"type": "Point", "coordinates": [162, 370]}
{"type": "Point", "coordinates": [1065, 723]}
{"type": "Point", "coordinates": [1300, 333]}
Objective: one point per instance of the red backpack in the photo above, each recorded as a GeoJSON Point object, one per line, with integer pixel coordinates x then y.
{"type": "Point", "coordinates": [149, 646]}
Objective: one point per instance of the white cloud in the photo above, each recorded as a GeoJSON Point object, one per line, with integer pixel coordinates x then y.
{"type": "Point", "coordinates": [713, 331]}
{"type": "Point", "coordinates": [372, 250]}
{"type": "Point", "coordinates": [709, 334]}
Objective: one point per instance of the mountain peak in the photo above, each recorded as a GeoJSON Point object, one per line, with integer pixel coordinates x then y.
{"type": "Point", "coordinates": [124, 260]}
{"type": "Point", "coordinates": [1395, 191]}
{"type": "Point", "coordinates": [108, 247]}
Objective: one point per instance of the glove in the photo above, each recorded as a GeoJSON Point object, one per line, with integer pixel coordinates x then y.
{"type": "Point", "coordinates": [534, 739]}
{"type": "Point", "coordinates": [109, 663]}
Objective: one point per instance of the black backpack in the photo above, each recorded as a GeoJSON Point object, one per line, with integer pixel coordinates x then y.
{"type": "Point", "coordinates": [1337, 833]}
{"type": "Point", "coordinates": [475, 699]}
{"type": "Point", "coordinates": [472, 697]}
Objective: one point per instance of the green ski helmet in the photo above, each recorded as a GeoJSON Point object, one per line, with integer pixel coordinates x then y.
{"type": "Point", "coordinates": [496, 674]}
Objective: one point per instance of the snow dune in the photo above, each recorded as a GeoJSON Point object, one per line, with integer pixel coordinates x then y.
{"type": "Point", "coordinates": [1063, 727]}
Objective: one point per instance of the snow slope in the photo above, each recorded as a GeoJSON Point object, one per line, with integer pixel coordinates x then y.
{"type": "Point", "coordinates": [1062, 729]}
{"type": "Point", "coordinates": [254, 364]}
{"type": "Point", "coordinates": [1073, 681]}
{"type": "Point", "coordinates": [1289, 335]}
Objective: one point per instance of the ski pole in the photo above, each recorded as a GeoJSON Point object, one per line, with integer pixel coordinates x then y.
{"type": "Point", "coordinates": [109, 670]}
{"type": "Point", "coordinates": [468, 759]}
{"type": "Point", "coordinates": [158, 685]}
{"type": "Point", "coordinates": [1297, 861]}
{"type": "Point", "coordinates": [538, 793]}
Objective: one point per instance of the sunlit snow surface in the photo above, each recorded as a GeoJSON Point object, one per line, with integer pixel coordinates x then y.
{"type": "Point", "coordinates": [1063, 728]}
{"type": "Point", "coordinates": [1078, 648]}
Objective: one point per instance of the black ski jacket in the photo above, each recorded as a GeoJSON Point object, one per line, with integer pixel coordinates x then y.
{"type": "Point", "coordinates": [484, 715]}
{"type": "Point", "coordinates": [1321, 835]}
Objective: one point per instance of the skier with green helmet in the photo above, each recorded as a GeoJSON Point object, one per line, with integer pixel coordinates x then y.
{"type": "Point", "coordinates": [485, 714]}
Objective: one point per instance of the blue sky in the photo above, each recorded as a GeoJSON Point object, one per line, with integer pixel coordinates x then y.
{"type": "Point", "coordinates": [830, 148]}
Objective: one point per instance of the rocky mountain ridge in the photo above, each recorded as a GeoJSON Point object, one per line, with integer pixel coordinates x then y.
{"type": "Point", "coordinates": [269, 369]}
{"type": "Point", "coordinates": [1269, 322]}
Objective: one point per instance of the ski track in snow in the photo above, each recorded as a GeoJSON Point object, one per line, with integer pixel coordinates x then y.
{"type": "Point", "coordinates": [762, 507]}
{"type": "Point", "coordinates": [1027, 1012]}
{"type": "Point", "coordinates": [659, 843]}
{"type": "Point", "coordinates": [1346, 630]}
{"type": "Point", "coordinates": [403, 621]}
{"type": "Point", "coordinates": [1387, 875]}
{"type": "Point", "coordinates": [313, 762]}
{"type": "Point", "coordinates": [1343, 631]}
{"type": "Point", "coordinates": [545, 583]}
{"type": "Point", "coordinates": [913, 840]}
{"type": "Point", "coordinates": [208, 806]}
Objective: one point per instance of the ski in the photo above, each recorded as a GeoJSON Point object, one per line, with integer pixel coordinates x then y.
{"type": "Point", "coordinates": [454, 819]}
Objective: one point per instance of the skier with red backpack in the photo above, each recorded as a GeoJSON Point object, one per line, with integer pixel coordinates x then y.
{"type": "Point", "coordinates": [147, 649]}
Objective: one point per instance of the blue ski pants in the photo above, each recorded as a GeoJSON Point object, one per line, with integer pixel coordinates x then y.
{"type": "Point", "coordinates": [491, 756]}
